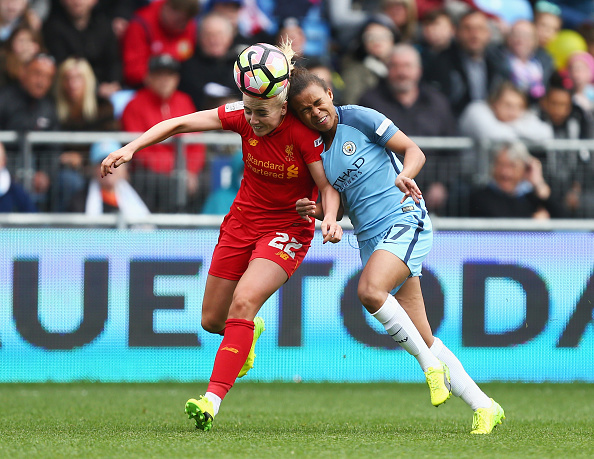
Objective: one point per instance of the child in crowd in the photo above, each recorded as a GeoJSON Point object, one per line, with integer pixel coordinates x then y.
{"type": "Point", "coordinates": [580, 68]}
{"type": "Point", "coordinates": [547, 19]}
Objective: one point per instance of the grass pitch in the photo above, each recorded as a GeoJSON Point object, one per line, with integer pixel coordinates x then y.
{"type": "Point", "coordinates": [290, 420]}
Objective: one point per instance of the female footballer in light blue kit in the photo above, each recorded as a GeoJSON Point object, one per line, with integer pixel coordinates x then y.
{"type": "Point", "coordinates": [393, 231]}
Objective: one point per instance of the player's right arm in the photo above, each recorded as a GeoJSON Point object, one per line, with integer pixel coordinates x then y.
{"type": "Point", "coordinates": [205, 120]}
{"type": "Point", "coordinates": [414, 159]}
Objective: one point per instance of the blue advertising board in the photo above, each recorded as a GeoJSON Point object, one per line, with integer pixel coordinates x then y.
{"type": "Point", "coordinates": [124, 305]}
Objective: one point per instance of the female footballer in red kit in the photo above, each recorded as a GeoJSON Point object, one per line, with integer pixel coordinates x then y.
{"type": "Point", "coordinates": [262, 240]}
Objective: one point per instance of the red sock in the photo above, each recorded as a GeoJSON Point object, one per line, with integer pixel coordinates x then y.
{"type": "Point", "coordinates": [231, 356]}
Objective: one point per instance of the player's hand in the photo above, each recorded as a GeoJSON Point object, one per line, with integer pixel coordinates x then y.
{"type": "Point", "coordinates": [115, 159]}
{"type": "Point", "coordinates": [305, 207]}
{"type": "Point", "coordinates": [331, 231]}
{"type": "Point", "coordinates": [409, 187]}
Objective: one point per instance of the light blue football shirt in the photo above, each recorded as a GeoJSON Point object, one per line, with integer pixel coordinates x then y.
{"type": "Point", "coordinates": [363, 170]}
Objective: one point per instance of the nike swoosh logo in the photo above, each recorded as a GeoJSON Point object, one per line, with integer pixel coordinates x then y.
{"type": "Point", "coordinates": [249, 58]}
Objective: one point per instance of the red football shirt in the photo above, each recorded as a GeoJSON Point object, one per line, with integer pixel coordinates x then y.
{"type": "Point", "coordinates": [145, 37]}
{"type": "Point", "coordinates": [275, 173]}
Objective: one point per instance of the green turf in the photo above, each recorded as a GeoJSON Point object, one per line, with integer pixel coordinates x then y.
{"type": "Point", "coordinates": [290, 420]}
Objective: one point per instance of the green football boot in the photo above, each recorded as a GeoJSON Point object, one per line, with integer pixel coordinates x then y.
{"type": "Point", "coordinates": [249, 362]}
{"type": "Point", "coordinates": [438, 380]}
{"type": "Point", "coordinates": [486, 419]}
{"type": "Point", "coordinates": [201, 411]}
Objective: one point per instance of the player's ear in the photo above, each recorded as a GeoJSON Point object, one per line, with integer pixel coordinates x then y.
{"type": "Point", "coordinates": [284, 108]}
{"type": "Point", "coordinates": [330, 94]}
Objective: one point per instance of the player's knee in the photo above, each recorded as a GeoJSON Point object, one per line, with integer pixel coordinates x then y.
{"type": "Point", "coordinates": [243, 307]}
{"type": "Point", "coordinates": [370, 296]}
{"type": "Point", "coordinates": [212, 325]}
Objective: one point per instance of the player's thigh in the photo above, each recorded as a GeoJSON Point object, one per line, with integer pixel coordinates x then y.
{"type": "Point", "coordinates": [381, 274]}
{"type": "Point", "coordinates": [410, 297]}
{"type": "Point", "coordinates": [216, 302]}
{"type": "Point", "coordinates": [275, 258]}
{"type": "Point", "coordinates": [262, 278]}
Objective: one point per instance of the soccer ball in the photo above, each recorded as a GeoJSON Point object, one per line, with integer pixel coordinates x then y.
{"type": "Point", "coordinates": [262, 71]}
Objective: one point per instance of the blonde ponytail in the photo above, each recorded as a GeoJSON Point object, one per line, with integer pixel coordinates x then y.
{"type": "Point", "coordinates": [287, 50]}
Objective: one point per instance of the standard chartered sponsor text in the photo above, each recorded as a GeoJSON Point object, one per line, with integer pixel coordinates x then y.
{"type": "Point", "coordinates": [267, 168]}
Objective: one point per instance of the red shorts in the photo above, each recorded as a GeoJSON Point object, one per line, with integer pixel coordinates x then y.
{"type": "Point", "coordinates": [238, 245]}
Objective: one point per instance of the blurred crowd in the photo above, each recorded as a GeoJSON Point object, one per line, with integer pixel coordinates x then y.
{"type": "Point", "coordinates": [511, 75]}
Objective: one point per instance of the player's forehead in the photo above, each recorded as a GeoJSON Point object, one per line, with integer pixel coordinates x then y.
{"type": "Point", "coordinates": [254, 104]}
{"type": "Point", "coordinates": [311, 94]}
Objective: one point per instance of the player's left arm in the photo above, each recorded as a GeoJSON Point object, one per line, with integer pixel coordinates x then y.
{"type": "Point", "coordinates": [306, 208]}
{"type": "Point", "coordinates": [331, 230]}
{"type": "Point", "coordinates": [414, 159]}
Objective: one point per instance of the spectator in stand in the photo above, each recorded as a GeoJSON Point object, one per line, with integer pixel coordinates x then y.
{"type": "Point", "coordinates": [580, 68]}
{"type": "Point", "coordinates": [231, 10]}
{"type": "Point", "coordinates": [21, 46]}
{"type": "Point", "coordinates": [119, 12]}
{"type": "Point", "coordinates": [408, 102]}
{"type": "Point", "coordinates": [250, 24]}
{"type": "Point", "coordinates": [79, 108]}
{"type": "Point", "coordinates": [13, 197]}
{"type": "Point", "coordinates": [77, 30]}
{"type": "Point", "coordinates": [153, 175]}
{"type": "Point", "coordinates": [564, 169]}
{"type": "Point", "coordinates": [403, 14]}
{"type": "Point", "coordinates": [28, 106]}
{"type": "Point", "coordinates": [566, 118]}
{"type": "Point", "coordinates": [110, 194]}
{"type": "Point", "coordinates": [465, 72]}
{"type": "Point", "coordinates": [162, 27]}
{"type": "Point", "coordinates": [14, 13]}
{"type": "Point", "coordinates": [367, 63]}
{"type": "Point", "coordinates": [208, 71]}
{"type": "Point", "coordinates": [547, 20]}
{"type": "Point", "coordinates": [505, 117]}
{"type": "Point", "coordinates": [409, 105]}
{"type": "Point", "coordinates": [523, 62]}
{"type": "Point", "coordinates": [517, 188]}
{"type": "Point", "coordinates": [437, 33]}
